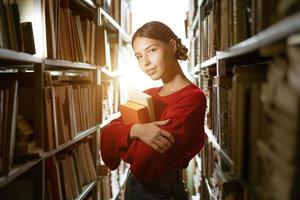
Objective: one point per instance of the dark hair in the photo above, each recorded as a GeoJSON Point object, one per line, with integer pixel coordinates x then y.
{"type": "Point", "coordinates": [159, 31]}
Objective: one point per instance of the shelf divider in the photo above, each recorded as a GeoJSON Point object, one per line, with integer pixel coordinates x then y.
{"type": "Point", "coordinates": [17, 171]}
{"type": "Point", "coordinates": [68, 64]}
{"type": "Point", "coordinates": [214, 142]}
{"type": "Point", "coordinates": [78, 137]}
{"type": "Point", "coordinates": [274, 33]}
{"type": "Point", "coordinates": [86, 189]}
{"type": "Point", "coordinates": [125, 36]}
{"type": "Point", "coordinates": [15, 56]}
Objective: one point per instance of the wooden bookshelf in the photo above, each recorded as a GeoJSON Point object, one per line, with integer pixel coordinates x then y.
{"type": "Point", "coordinates": [271, 35]}
{"type": "Point", "coordinates": [232, 142]}
{"type": "Point", "coordinates": [89, 12]}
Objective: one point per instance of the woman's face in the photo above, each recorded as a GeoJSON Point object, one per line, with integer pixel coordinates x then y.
{"type": "Point", "coordinates": [155, 57]}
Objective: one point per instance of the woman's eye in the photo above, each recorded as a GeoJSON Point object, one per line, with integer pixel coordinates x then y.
{"type": "Point", "coordinates": [151, 50]}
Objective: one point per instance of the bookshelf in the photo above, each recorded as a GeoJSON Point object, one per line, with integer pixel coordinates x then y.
{"type": "Point", "coordinates": [57, 74]}
{"type": "Point", "coordinates": [117, 38]}
{"type": "Point", "coordinates": [244, 61]}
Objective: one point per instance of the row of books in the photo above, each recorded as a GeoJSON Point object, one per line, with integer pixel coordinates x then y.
{"type": "Point", "coordinates": [17, 136]}
{"type": "Point", "coordinates": [225, 23]}
{"type": "Point", "coordinates": [279, 143]}
{"type": "Point", "coordinates": [69, 36]}
{"type": "Point", "coordinates": [8, 112]}
{"type": "Point", "coordinates": [218, 180]}
{"type": "Point", "coordinates": [110, 101]}
{"type": "Point", "coordinates": [206, 83]}
{"type": "Point", "coordinates": [14, 34]}
{"type": "Point", "coordinates": [70, 107]}
{"type": "Point", "coordinates": [195, 52]}
{"type": "Point", "coordinates": [255, 123]}
{"type": "Point", "coordinates": [67, 173]}
{"type": "Point", "coordinates": [113, 8]}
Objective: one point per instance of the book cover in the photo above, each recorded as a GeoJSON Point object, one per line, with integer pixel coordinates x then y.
{"type": "Point", "coordinates": [134, 113]}
{"type": "Point", "coordinates": [143, 99]}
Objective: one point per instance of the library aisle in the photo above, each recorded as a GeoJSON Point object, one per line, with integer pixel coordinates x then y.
{"type": "Point", "coordinates": [63, 66]}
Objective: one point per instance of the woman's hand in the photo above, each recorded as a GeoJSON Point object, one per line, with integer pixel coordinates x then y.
{"type": "Point", "coordinates": [151, 134]}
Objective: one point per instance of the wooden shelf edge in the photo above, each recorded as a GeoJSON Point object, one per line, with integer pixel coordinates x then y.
{"type": "Point", "coordinates": [274, 33]}
{"type": "Point", "coordinates": [87, 3]}
{"type": "Point", "coordinates": [196, 19]}
{"type": "Point", "coordinates": [106, 122]}
{"type": "Point", "coordinates": [78, 137]}
{"type": "Point", "coordinates": [209, 62]}
{"type": "Point", "coordinates": [86, 189]}
{"type": "Point", "coordinates": [115, 24]}
{"type": "Point", "coordinates": [69, 64]}
{"type": "Point", "coordinates": [216, 145]}
{"type": "Point", "coordinates": [212, 196]}
{"type": "Point", "coordinates": [17, 171]}
{"type": "Point", "coordinates": [195, 70]}
{"type": "Point", "coordinates": [11, 55]}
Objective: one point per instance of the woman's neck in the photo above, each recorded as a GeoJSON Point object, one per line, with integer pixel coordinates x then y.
{"type": "Point", "coordinates": [174, 81]}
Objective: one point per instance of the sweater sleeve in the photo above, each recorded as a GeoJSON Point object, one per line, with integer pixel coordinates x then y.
{"type": "Point", "coordinates": [114, 139]}
{"type": "Point", "coordinates": [186, 125]}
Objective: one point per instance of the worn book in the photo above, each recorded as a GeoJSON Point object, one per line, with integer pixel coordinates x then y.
{"type": "Point", "coordinates": [141, 108]}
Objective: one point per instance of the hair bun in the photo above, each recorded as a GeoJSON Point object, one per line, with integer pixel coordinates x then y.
{"type": "Point", "coordinates": [181, 53]}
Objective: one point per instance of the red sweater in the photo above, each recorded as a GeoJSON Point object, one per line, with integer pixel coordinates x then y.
{"type": "Point", "coordinates": [186, 109]}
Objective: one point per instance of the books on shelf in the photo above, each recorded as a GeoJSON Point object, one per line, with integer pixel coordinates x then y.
{"type": "Point", "coordinates": [70, 107]}
{"type": "Point", "coordinates": [8, 117]}
{"type": "Point", "coordinates": [14, 34]}
{"type": "Point", "coordinates": [18, 139]}
{"type": "Point", "coordinates": [67, 173]}
{"type": "Point", "coordinates": [69, 36]}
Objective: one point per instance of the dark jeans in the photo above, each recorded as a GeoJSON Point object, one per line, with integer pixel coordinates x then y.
{"type": "Point", "coordinates": [165, 188]}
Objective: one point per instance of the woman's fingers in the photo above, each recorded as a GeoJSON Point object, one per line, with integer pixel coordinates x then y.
{"type": "Point", "coordinates": [161, 144]}
{"type": "Point", "coordinates": [165, 141]}
{"type": "Point", "coordinates": [156, 147]}
{"type": "Point", "coordinates": [162, 122]}
{"type": "Point", "coordinates": [167, 135]}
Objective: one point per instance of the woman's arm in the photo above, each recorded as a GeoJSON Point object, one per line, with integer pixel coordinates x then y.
{"type": "Point", "coordinates": [151, 134]}
{"type": "Point", "coordinates": [186, 126]}
{"type": "Point", "coordinates": [114, 139]}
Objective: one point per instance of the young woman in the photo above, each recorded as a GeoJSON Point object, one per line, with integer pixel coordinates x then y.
{"type": "Point", "coordinates": [158, 151]}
